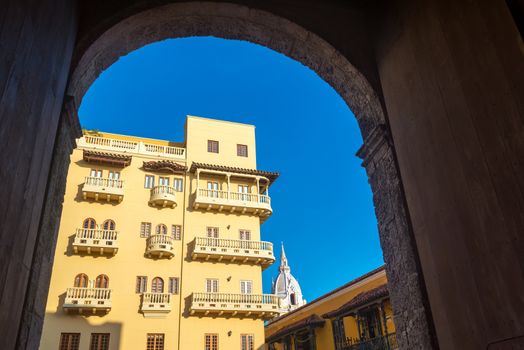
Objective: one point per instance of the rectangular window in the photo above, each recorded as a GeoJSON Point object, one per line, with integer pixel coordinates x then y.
{"type": "Point", "coordinates": [176, 232]}
{"type": "Point", "coordinates": [246, 287]}
{"type": "Point", "coordinates": [211, 341]}
{"type": "Point", "coordinates": [149, 181]}
{"type": "Point", "coordinates": [212, 232]}
{"type": "Point", "coordinates": [155, 341]}
{"type": "Point", "coordinates": [173, 285]}
{"type": "Point", "coordinates": [211, 285]}
{"type": "Point", "coordinates": [99, 341]}
{"type": "Point", "coordinates": [245, 235]}
{"type": "Point", "coordinates": [247, 341]}
{"type": "Point", "coordinates": [178, 184]}
{"type": "Point", "coordinates": [114, 175]}
{"type": "Point", "coordinates": [163, 181]}
{"type": "Point", "coordinates": [243, 190]}
{"type": "Point", "coordinates": [242, 150]}
{"type": "Point", "coordinates": [145, 229]}
{"type": "Point", "coordinates": [69, 341]}
{"type": "Point", "coordinates": [212, 188]}
{"type": "Point", "coordinates": [141, 284]}
{"type": "Point", "coordinates": [96, 173]}
{"type": "Point", "coordinates": [212, 146]}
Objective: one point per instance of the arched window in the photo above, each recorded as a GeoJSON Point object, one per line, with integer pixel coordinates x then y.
{"type": "Point", "coordinates": [89, 223]}
{"type": "Point", "coordinates": [102, 281]}
{"type": "Point", "coordinates": [161, 229]}
{"type": "Point", "coordinates": [157, 285]}
{"type": "Point", "coordinates": [81, 280]}
{"type": "Point", "coordinates": [109, 225]}
{"type": "Point", "coordinates": [292, 298]}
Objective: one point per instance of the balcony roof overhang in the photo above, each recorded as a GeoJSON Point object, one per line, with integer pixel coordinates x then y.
{"type": "Point", "coordinates": [311, 322]}
{"type": "Point", "coordinates": [112, 159]}
{"type": "Point", "coordinates": [271, 176]}
{"type": "Point", "coordinates": [360, 300]}
{"type": "Point", "coordinates": [164, 166]}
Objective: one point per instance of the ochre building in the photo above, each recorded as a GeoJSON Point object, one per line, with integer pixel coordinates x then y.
{"type": "Point", "coordinates": [356, 316]}
{"type": "Point", "coordinates": [159, 244]}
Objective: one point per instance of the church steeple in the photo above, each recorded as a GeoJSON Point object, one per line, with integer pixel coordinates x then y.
{"type": "Point", "coordinates": [284, 266]}
{"type": "Point", "coordinates": [286, 286]}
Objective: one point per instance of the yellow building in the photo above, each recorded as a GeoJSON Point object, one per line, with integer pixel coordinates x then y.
{"type": "Point", "coordinates": [159, 245]}
{"type": "Point", "coordinates": [356, 316]}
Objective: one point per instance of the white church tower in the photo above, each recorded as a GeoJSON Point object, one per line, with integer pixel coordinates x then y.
{"type": "Point", "coordinates": [287, 287]}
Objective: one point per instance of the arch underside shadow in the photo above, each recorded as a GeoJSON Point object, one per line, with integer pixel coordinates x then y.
{"type": "Point", "coordinates": [231, 21]}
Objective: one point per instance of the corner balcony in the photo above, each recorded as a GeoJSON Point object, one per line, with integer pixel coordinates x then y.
{"type": "Point", "coordinates": [163, 196]}
{"type": "Point", "coordinates": [233, 250]}
{"type": "Point", "coordinates": [98, 188]}
{"type": "Point", "coordinates": [155, 304]}
{"type": "Point", "coordinates": [95, 241]}
{"type": "Point", "coordinates": [87, 300]}
{"type": "Point", "coordinates": [159, 246]}
{"type": "Point", "coordinates": [244, 203]}
{"type": "Point", "coordinates": [263, 306]}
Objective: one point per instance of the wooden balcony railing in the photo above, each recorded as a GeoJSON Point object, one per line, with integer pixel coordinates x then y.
{"type": "Point", "coordinates": [261, 305]}
{"type": "Point", "coordinates": [386, 342]}
{"type": "Point", "coordinates": [242, 251]}
{"type": "Point", "coordinates": [87, 299]}
{"type": "Point", "coordinates": [163, 196]}
{"type": "Point", "coordinates": [95, 240]}
{"type": "Point", "coordinates": [160, 246]}
{"type": "Point", "coordinates": [135, 147]}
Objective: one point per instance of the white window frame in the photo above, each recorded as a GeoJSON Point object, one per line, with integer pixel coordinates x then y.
{"type": "Point", "coordinates": [178, 184]}
{"type": "Point", "coordinates": [149, 181]}
{"type": "Point", "coordinates": [212, 285]}
{"type": "Point", "coordinates": [246, 287]}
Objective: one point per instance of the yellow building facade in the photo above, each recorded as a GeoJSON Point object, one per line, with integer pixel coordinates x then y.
{"type": "Point", "coordinates": [159, 244]}
{"type": "Point", "coordinates": [356, 316]}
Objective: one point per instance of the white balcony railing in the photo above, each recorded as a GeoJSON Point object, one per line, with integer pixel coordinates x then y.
{"type": "Point", "coordinates": [88, 299]}
{"type": "Point", "coordinates": [95, 240]}
{"type": "Point", "coordinates": [155, 304]}
{"type": "Point", "coordinates": [160, 246]}
{"type": "Point", "coordinates": [234, 243]}
{"type": "Point", "coordinates": [103, 189]}
{"type": "Point", "coordinates": [263, 305]}
{"type": "Point", "coordinates": [135, 147]}
{"type": "Point", "coordinates": [102, 182]}
{"type": "Point", "coordinates": [163, 195]}
{"type": "Point", "coordinates": [249, 203]}
{"type": "Point", "coordinates": [233, 250]}
{"type": "Point", "coordinates": [235, 196]}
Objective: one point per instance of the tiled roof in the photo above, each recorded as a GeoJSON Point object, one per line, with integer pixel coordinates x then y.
{"type": "Point", "coordinates": [272, 176]}
{"type": "Point", "coordinates": [359, 300]}
{"type": "Point", "coordinates": [320, 298]}
{"type": "Point", "coordinates": [114, 159]}
{"type": "Point", "coordinates": [164, 166]}
{"type": "Point", "coordinates": [312, 321]}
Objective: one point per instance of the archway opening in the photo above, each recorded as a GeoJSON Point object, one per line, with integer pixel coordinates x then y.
{"type": "Point", "coordinates": [182, 20]}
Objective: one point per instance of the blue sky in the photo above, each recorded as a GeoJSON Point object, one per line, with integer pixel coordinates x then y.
{"type": "Point", "coordinates": [323, 210]}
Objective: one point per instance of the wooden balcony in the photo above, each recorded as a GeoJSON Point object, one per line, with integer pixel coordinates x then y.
{"type": "Point", "coordinates": [98, 188]}
{"type": "Point", "coordinates": [163, 196]}
{"type": "Point", "coordinates": [263, 306]}
{"type": "Point", "coordinates": [155, 304]}
{"type": "Point", "coordinates": [87, 300]}
{"type": "Point", "coordinates": [98, 241]}
{"type": "Point", "coordinates": [233, 250]}
{"type": "Point", "coordinates": [234, 202]}
{"type": "Point", "coordinates": [160, 246]}
{"type": "Point", "coordinates": [385, 342]}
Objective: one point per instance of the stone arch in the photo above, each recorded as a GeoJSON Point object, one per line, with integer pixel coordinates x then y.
{"type": "Point", "coordinates": [232, 21]}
